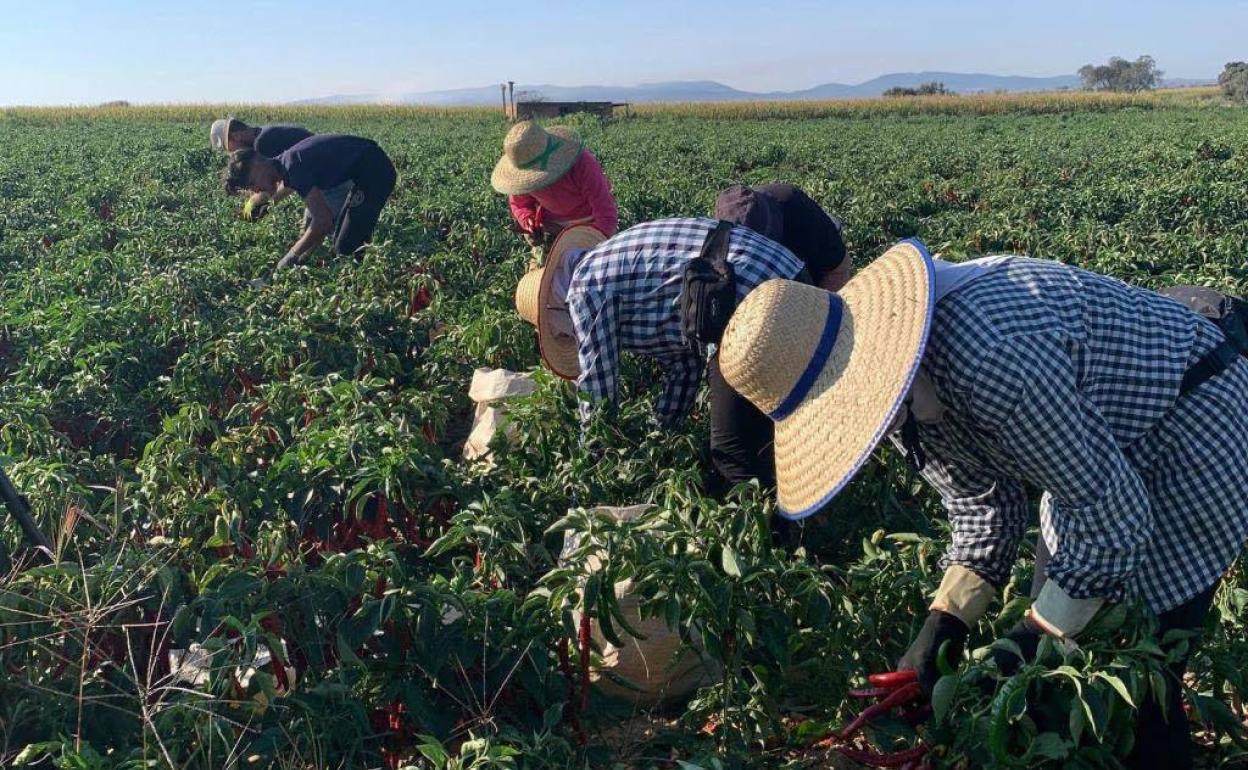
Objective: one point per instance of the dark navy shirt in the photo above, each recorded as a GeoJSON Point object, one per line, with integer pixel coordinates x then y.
{"type": "Point", "coordinates": [274, 140]}
{"type": "Point", "coordinates": [809, 232]}
{"type": "Point", "coordinates": [321, 161]}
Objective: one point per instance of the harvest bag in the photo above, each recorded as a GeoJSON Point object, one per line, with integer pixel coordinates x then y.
{"type": "Point", "coordinates": [1230, 314]}
{"type": "Point", "coordinates": [709, 290]}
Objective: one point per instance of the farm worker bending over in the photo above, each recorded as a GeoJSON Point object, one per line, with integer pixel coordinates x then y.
{"type": "Point", "coordinates": [1127, 410]}
{"type": "Point", "coordinates": [791, 218]}
{"type": "Point", "coordinates": [596, 298]}
{"type": "Point", "coordinates": [318, 163]}
{"type": "Point", "coordinates": [553, 183]}
{"type": "Point", "coordinates": [741, 434]}
{"type": "Point", "coordinates": [230, 134]}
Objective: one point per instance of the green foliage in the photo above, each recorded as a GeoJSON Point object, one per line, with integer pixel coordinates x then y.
{"type": "Point", "coordinates": [930, 88]}
{"type": "Point", "coordinates": [1121, 75]}
{"type": "Point", "coordinates": [1234, 81]}
{"type": "Point", "coordinates": [271, 477]}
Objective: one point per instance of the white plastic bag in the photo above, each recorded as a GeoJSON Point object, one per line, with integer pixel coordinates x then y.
{"type": "Point", "coordinates": [657, 666]}
{"type": "Point", "coordinates": [489, 389]}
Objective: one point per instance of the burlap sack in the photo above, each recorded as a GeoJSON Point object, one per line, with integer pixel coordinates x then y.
{"type": "Point", "coordinates": [489, 389]}
{"type": "Point", "coordinates": [656, 665]}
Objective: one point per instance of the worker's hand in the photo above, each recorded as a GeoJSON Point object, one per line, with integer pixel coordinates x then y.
{"type": "Point", "coordinates": [255, 208]}
{"type": "Point", "coordinates": [941, 630]}
{"type": "Point", "coordinates": [1026, 634]}
{"type": "Point", "coordinates": [551, 231]}
{"type": "Point", "coordinates": [1055, 613]}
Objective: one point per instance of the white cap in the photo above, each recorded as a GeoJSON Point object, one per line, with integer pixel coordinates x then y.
{"type": "Point", "coordinates": [218, 134]}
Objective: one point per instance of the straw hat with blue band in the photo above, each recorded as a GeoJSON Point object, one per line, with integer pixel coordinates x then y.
{"type": "Point", "coordinates": [832, 370]}
{"type": "Point", "coordinates": [535, 157]}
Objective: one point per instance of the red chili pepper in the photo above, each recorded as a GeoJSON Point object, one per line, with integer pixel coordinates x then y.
{"type": "Point", "coordinates": [871, 692]}
{"type": "Point", "coordinates": [896, 698]}
{"type": "Point", "coordinates": [279, 673]}
{"type": "Point", "coordinates": [893, 679]}
{"type": "Point", "coordinates": [381, 525]}
{"type": "Point", "coordinates": [420, 299]}
{"type": "Point", "coordinates": [584, 645]}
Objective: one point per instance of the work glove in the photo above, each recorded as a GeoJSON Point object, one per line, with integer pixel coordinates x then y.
{"type": "Point", "coordinates": [940, 630]}
{"type": "Point", "coordinates": [254, 211]}
{"type": "Point", "coordinates": [1055, 613]}
{"type": "Point", "coordinates": [961, 600]}
{"type": "Point", "coordinates": [1026, 634]}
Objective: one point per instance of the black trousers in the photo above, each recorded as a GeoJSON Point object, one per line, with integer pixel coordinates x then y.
{"type": "Point", "coordinates": [1163, 738]}
{"type": "Point", "coordinates": [742, 437]}
{"type": "Point", "coordinates": [374, 178]}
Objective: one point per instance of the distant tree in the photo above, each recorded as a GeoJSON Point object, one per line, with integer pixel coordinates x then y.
{"type": "Point", "coordinates": [1234, 81]}
{"type": "Point", "coordinates": [931, 88]}
{"type": "Point", "coordinates": [118, 103]}
{"type": "Point", "coordinates": [1121, 75]}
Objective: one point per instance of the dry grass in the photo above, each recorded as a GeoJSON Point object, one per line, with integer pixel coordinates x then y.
{"type": "Point", "coordinates": [977, 104]}
{"type": "Point", "coordinates": [974, 104]}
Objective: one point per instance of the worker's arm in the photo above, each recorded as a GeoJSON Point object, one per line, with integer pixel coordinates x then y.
{"type": "Point", "coordinates": [988, 518]}
{"type": "Point", "coordinates": [284, 192]}
{"type": "Point", "coordinates": [681, 378]}
{"type": "Point", "coordinates": [524, 211]}
{"type": "Point", "coordinates": [1061, 443]}
{"type": "Point", "coordinates": [595, 318]}
{"type": "Point", "coordinates": [320, 226]}
{"type": "Point", "coordinates": [596, 189]}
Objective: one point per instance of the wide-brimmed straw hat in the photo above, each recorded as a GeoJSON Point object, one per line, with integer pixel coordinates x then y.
{"type": "Point", "coordinates": [534, 297]}
{"type": "Point", "coordinates": [831, 370]}
{"type": "Point", "coordinates": [219, 133]}
{"type": "Point", "coordinates": [534, 157]}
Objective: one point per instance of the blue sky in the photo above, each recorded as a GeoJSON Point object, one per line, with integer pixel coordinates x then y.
{"type": "Point", "coordinates": [59, 52]}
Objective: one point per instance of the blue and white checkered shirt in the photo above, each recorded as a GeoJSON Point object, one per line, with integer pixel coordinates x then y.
{"type": "Point", "coordinates": [1067, 382]}
{"type": "Point", "coordinates": [625, 295]}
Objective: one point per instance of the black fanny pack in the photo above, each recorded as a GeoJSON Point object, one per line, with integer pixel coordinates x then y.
{"type": "Point", "coordinates": [1230, 315]}
{"type": "Point", "coordinates": [709, 290]}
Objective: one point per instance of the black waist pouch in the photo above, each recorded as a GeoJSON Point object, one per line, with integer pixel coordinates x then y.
{"type": "Point", "coordinates": [709, 290]}
{"type": "Point", "coordinates": [1230, 314]}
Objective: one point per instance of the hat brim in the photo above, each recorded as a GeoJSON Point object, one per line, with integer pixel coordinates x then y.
{"type": "Point", "coordinates": [826, 440]}
{"type": "Point", "coordinates": [510, 179]}
{"type": "Point", "coordinates": [559, 351]}
{"type": "Point", "coordinates": [218, 134]}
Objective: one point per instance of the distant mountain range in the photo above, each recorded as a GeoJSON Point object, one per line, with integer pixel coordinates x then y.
{"type": "Point", "coordinates": [711, 91]}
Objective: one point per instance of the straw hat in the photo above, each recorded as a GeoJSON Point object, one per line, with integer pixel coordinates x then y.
{"type": "Point", "coordinates": [534, 157]}
{"type": "Point", "coordinates": [534, 297]}
{"type": "Point", "coordinates": [830, 369]}
{"type": "Point", "coordinates": [219, 133]}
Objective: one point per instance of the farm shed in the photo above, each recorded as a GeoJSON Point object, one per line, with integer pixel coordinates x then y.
{"type": "Point", "coordinates": [542, 110]}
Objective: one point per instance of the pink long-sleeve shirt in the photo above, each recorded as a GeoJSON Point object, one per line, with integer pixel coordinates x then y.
{"type": "Point", "coordinates": [584, 193]}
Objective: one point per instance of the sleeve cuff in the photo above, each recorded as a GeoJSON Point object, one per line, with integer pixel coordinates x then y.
{"type": "Point", "coordinates": [1060, 614]}
{"type": "Point", "coordinates": [964, 594]}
